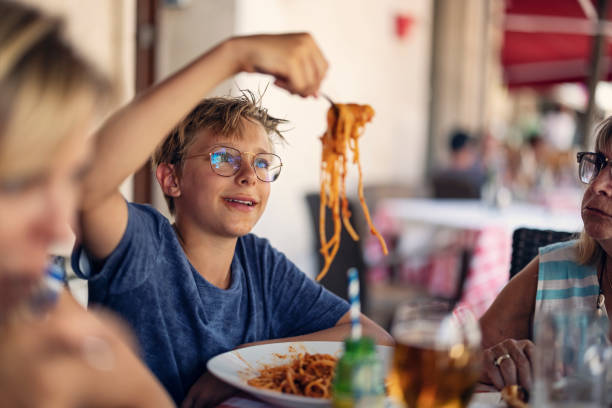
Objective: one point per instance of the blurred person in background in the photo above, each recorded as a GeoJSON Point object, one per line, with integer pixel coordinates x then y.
{"type": "Point", "coordinates": [564, 276]}
{"type": "Point", "coordinates": [558, 126]}
{"type": "Point", "coordinates": [464, 174]}
{"type": "Point", "coordinates": [53, 353]}
{"type": "Point", "coordinates": [542, 170]}
{"type": "Point", "coordinates": [532, 169]}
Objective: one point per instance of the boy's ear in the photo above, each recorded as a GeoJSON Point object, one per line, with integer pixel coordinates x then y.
{"type": "Point", "coordinates": [168, 179]}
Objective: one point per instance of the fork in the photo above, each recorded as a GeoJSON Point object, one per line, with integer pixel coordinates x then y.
{"type": "Point", "coordinates": [336, 112]}
{"type": "Point", "coordinates": [333, 104]}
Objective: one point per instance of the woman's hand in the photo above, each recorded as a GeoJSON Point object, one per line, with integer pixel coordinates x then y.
{"type": "Point", "coordinates": [295, 60]}
{"type": "Point", "coordinates": [509, 362]}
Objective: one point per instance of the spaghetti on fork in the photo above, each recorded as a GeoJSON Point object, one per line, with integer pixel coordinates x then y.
{"type": "Point", "coordinates": [345, 123]}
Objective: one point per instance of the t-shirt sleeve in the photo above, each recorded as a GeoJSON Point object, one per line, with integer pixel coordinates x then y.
{"type": "Point", "coordinates": [299, 304]}
{"type": "Point", "coordinates": [127, 265]}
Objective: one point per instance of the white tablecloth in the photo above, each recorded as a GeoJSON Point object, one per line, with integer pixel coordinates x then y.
{"type": "Point", "coordinates": [474, 214]}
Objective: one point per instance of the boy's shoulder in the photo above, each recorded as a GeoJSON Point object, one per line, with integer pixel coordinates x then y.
{"type": "Point", "coordinates": [147, 212]}
{"type": "Point", "coordinates": [256, 250]}
{"type": "Point", "coordinates": [147, 208]}
{"type": "Point", "coordinates": [146, 223]}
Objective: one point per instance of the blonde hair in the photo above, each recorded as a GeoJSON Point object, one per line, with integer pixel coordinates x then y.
{"type": "Point", "coordinates": [221, 115]}
{"type": "Point", "coordinates": [589, 250]}
{"type": "Point", "coordinates": [46, 90]}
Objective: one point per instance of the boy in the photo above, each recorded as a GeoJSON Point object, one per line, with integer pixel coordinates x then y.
{"type": "Point", "coordinates": [202, 285]}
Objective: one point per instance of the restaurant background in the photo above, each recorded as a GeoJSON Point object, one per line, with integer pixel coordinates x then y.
{"type": "Point", "coordinates": [427, 67]}
{"type": "Point", "coordinates": [368, 64]}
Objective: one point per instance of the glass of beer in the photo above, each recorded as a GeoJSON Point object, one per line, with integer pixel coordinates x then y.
{"type": "Point", "coordinates": [572, 351]}
{"type": "Point", "coordinates": [436, 362]}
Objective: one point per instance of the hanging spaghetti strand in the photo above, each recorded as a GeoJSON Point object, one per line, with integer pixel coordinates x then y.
{"type": "Point", "coordinates": [344, 127]}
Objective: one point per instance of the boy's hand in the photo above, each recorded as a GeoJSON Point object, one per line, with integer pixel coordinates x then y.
{"type": "Point", "coordinates": [294, 60]}
{"type": "Point", "coordinates": [208, 391]}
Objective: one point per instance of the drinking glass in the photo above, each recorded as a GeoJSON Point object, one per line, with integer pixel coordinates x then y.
{"type": "Point", "coordinates": [437, 359]}
{"type": "Point", "coordinates": [571, 352]}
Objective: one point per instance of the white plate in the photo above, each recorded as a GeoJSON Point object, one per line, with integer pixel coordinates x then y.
{"type": "Point", "coordinates": [238, 366]}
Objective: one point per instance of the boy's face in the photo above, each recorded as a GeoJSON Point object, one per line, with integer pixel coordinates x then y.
{"type": "Point", "coordinates": [208, 200]}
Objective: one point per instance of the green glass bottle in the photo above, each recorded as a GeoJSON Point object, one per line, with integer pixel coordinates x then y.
{"type": "Point", "coordinates": [358, 381]}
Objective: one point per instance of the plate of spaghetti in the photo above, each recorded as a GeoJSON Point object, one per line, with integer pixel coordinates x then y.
{"type": "Point", "coordinates": [293, 374]}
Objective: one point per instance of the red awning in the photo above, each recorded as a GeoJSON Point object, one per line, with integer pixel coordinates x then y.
{"type": "Point", "coordinates": [549, 42]}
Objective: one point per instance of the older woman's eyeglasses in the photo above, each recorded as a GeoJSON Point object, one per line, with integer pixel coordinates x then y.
{"type": "Point", "coordinates": [226, 161]}
{"type": "Point", "coordinates": [590, 164]}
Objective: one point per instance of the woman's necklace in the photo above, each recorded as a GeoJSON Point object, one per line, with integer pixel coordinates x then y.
{"type": "Point", "coordinates": [601, 299]}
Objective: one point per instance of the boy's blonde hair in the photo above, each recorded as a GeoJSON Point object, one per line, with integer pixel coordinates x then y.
{"type": "Point", "coordinates": [46, 90]}
{"type": "Point", "coordinates": [221, 115]}
{"type": "Point", "coordinates": [589, 251]}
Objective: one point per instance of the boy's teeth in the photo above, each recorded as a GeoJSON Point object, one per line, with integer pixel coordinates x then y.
{"type": "Point", "coordinates": [239, 201]}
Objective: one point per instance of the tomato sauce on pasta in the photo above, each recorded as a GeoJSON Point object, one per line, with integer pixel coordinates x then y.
{"type": "Point", "coordinates": [308, 375]}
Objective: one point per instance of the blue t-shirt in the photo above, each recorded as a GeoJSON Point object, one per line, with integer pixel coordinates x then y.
{"type": "Point", "coordinates": [180, 319]}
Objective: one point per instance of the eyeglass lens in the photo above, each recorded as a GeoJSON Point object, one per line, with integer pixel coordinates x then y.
{"type": "Point", "coordinates": [590, 165]}
{"type": "Point", "coordinates": [226, 161]}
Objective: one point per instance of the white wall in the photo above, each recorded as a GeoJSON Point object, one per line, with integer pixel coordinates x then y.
{"type": "Point", "coordinates": [103, 32]}
{"type": "Point", "coordinates": [184, 33]}
{"type": "Point", "coordinates": [368, 64]}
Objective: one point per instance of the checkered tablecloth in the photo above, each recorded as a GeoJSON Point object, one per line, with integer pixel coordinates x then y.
{"type": "Point", "coordinates": [437, 270]}
{"type": "Point", "coordinates": [427, 238]}
{"type": "Point", "coordinates": [488, 270]}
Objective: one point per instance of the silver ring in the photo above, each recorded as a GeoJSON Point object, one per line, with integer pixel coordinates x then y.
{"type": "Point", "coordinates": [497, 362]}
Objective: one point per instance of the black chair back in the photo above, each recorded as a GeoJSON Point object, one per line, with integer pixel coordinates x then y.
{"type": "Point", "coordinates": [526, 242]}
{"type": "Point", "coordinates": [349, 254]}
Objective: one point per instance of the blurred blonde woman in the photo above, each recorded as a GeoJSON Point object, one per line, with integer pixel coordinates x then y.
{"type": "Point", "coordinates": [60, 356]}
{"type": "Point", "coordinates": [568, 275]}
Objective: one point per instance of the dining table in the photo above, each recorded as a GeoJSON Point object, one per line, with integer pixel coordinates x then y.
{"type": "Point", "coordinates": [479, 400]}
{"type": "Point", "coordinates": [427, 237]}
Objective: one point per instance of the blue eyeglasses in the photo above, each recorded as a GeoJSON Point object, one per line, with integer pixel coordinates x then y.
{"type": "Point", "coordinates": [226, 161]}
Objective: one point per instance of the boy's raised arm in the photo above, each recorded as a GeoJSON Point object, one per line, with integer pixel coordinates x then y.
{"type": "Point", "coordinates": [128, 137]}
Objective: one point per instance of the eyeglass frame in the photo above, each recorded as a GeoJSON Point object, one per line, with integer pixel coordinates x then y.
{"type": "Point", "coordinates": [601, 161]}
{"type": "Point", "coordinates": [252, 164]}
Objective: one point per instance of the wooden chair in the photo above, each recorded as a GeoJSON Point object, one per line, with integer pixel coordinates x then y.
{"type": "Point", "coordinates": [526, 242]}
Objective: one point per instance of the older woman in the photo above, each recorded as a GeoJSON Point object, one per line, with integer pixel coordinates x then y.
{"type": "Point", "coordinates": [564, 276]}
